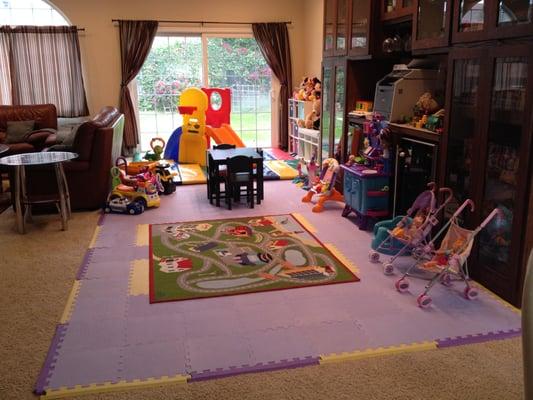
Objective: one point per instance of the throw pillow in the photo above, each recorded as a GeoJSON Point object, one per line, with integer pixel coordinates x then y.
{"type": "Point", "coordinates": [67, 133]}
{"type": "Point", "coordinates": [17, 131]}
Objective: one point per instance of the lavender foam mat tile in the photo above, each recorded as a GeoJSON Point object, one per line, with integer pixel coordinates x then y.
{"type": "Point", "coordinates": [107, 269]}
{"type": "Point", "coordinates": [210, 353]}
{"type": "Point", "coordinates": [94, 334]}
{"type": "Point", "coordinates": [153, 360]}
{"type": "Point", "coordinates": [212, 323]}
{"type": "Point", "coordinates": [84, 367]}
{"type": "Point", "coordinates": [272, 345]}
{"type": "Point", "coordinates": [336, 337]}
{"type": "Point", "coordinates": [106, 254]}
{"type": "Point", "coordinates": [154, 328]}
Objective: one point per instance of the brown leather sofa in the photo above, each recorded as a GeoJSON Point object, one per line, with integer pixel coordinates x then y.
{"type": "Point", "coordinates": [98, 143]}
{"type": "Point", "coordinates": [45, 117]}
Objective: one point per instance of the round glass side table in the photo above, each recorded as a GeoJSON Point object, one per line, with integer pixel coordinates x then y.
{"type": "Point", "coordinates": [23, 203]}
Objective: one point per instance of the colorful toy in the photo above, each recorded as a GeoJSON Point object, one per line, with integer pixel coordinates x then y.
{"type": "Point", "coordinates": [157, 144]}
{"type": "Point", "coordinates": [141, 189]}
{"type": "Point", "coordinates": [123, 205]}
{"type": "Point", "coordinates": [410, 233]}
{"type": "Point", "coordinates": [166, 178]}
{"type": "Point", "coordinates": [450, 260]}
{"type": "Point", "coordinates": [325, 187]}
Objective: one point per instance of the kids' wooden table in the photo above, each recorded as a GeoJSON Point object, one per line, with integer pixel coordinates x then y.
{"type": "Point", "coordinates": [23, 202]}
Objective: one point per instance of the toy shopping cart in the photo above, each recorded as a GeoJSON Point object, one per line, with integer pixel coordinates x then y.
{"type": "Point", "coordinates": [412, 232]}
{"type": "Point", "coordinates": [449, 262]}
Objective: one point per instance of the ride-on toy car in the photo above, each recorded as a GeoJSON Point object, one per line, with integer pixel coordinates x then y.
{"type": "Point", "coordinates": [123, 205]}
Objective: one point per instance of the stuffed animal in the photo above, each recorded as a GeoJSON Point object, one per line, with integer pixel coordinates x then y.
{"type": "Point", "coordinates": [427, 104]}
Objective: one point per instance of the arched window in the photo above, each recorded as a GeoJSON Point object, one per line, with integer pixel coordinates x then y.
{"type": "Point", "coordinates": [30, 12]}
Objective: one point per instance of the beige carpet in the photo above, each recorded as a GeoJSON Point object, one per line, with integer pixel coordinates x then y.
{"type": "Point", "coordinates": [36, 274]}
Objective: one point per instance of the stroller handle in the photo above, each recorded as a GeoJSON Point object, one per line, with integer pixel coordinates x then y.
{"type": "Point", "coordinates": [448, 193]}
{"type": "Point", "coordinates": [466, 203]}
{"type": "Point", "coordinates": [494, 212]}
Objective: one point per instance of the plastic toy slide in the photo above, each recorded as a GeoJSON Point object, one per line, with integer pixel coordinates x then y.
{"type": "Point", "coordinates": [224, 134]}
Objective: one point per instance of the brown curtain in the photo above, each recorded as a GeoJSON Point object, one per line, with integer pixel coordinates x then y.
{"type": "Point", "coordinates": [44, 66]}
{"type": "Point", "coordinates": [273, 40]}
{"type": "Point", "coordinates": [136, 39]}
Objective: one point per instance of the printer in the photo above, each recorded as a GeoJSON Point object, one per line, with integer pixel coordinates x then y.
{"type": "Point", "coordinates": [397, 93]}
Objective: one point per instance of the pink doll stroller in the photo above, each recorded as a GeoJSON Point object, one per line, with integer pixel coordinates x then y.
{"type": "Point", "coordinates": [449, 262]}
{"type": "Point", "coordinates": [411, 234]}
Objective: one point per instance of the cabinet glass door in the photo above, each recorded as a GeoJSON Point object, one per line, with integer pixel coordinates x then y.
{"type": "Point", "coordinates": [515, 12]}
{"type": "Point", "coordinates": [462, 129]}
{"type": "Point", "coordinates": [361, 11]}
{"type": "Point", "coordinates": [325, 119]}
{"type": "Point", "coordinates": [341, 27]}
{"type": "Point", "coordinates": [329, 26]}
{"type": "Point", "coordinates": [502, 165]}
{"type": "Point", "coordinates": [338, 122]}
{"type": "Point", "coordinates": [471, 15]}
{"type": "Point", "coordinates": [431, 19]}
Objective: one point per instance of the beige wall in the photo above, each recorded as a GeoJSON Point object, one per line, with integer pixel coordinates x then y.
{"type": "Point", "coordinates": [100, 45]}
{"type": "Point", "coordinates": [313, 20]}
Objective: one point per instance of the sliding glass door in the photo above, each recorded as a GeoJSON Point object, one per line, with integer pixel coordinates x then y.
{"type": "Point", "coordinates": [179, 61]}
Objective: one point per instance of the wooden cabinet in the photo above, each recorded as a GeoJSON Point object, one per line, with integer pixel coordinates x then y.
{"type": "Point", "coordinates": [395, 9]}
{"type": "Point", "coordinates": [431, 24]}
{"type": "Point", "coordinates": [333, 108]}
{"type": "Point", "coordinates": [476, 20]}
{"type": "Point", "coordinates": [347, 26]}
{"type": "Point", "coordinates": [487, 155]}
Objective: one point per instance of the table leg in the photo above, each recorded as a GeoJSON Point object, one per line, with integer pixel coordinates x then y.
{"type": "Point", "coordinates": [260, 181]}
{"type": "Point", "coordinates": [67, 193]}
{"type": "Point", "coordinates": [19, 212]}
{"type": "Point", "coordinates": [62, 198]}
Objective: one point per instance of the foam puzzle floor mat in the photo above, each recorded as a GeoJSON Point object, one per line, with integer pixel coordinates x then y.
{"type": "Point", "coordinates": [111, 337]}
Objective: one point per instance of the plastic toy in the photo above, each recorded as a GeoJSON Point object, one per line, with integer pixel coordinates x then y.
{"type": "Point", "coordinates": [166, 178]}
{"type": "Point", "coordinates": [138, 189]}
{"type": "Point", "coordinates": [123, 205]}
{"type": "Point", "coordinates": [410, 233]}
{"type": "Point", "coordinates": [449, 261]}
{"type": "Point", "coordinates": [325, 186]}
{"type": "Point", "coordinates": [202, 121]}
{"type": "Point", "coordinates": [157, 144]}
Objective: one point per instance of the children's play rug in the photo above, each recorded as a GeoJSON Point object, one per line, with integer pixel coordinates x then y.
{"type": "Point", "coordinates": [239, 255]}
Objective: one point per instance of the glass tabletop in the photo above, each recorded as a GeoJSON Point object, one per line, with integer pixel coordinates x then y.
{"type": "Point", "coordinates": [221, 155]}
{"type": "Point", "coordinates": [44, 157]}
{"type": "Point", "coordinates": [3, 148]}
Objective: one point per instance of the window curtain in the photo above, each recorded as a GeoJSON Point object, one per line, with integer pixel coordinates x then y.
{"type": "Point", "coordinates": [273, 41]}
{"type": "Point", "coordinates": [41, 65]}
{"type": "Point", "coordinates": [136, 39]}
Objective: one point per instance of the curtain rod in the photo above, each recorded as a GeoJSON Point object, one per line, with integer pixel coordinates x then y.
{"type": "Point", "coordinates": [206, 22]}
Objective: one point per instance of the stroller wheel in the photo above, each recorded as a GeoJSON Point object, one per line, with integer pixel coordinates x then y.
{"type": "Point", "coordinates": [446, 280]}
{"type": "Point", "coordinates": [373, 256]}
{"type": "Point", "coordinates": [424, 301]}
{"type": "Point", "coordinates": [388, 268]}
{"type": "Point", "coordinates": [470, 293]}
{"type": "Point", "coordinates": [402, 285]}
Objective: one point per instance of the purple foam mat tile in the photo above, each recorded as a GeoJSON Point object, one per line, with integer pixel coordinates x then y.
{"type": "Point", "coordinates": [93, 334]}
{"type": "Point", "coordinates": [139, 306]}
{"type": "Point", "coordinates": [209, 353]}
{"type": "Point", "coordinates": [213, 323]}
{"type": "Point", "coordinates": [260, 367]}
{"type": "Point", "coordinates": [318, 310]}
{"type": "Point", "coordinates": [105, 287]}
{"type": "Point", "coordinates": [265, 316]}
{"type": "Point", "coordinates": [82, 270]}
{"type": "Point", "coordinates": [102, 254]}
{"type": "Point", "coordinates": [336, 337]}
{"type": "Point", "coordinates": [94, 308]}
{"type": "Point", "coordinates": [85, 367]}
{"type": "Point", "coordinates": [116, 240]}
{"type": "Point", "coordinates": [278, 344]}
{"type": "Point", "coordinates": [211, 303]}
{"type": "Point", "coordinates": [108, 269]}
{"type": "Point", "coordinates": [271, 298]}
{"type": "Point", "coordinates": [479, 338]}
{"type": "Point", "coordinates": [165, 358]}
{"type": "Point", "coordinates": [51, 357]}
{"type": "Point", "coordinates": [154, 329]}
{"type": "Point", "coordinates": [101, 218]}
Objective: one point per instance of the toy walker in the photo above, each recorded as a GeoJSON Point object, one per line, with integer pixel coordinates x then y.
{"type": "Point", "coordinates": [449, 262]}
{"type": "Point", "coordinates": [324, 186]}
{"type": "Point", "coordinates": [411, 232]}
